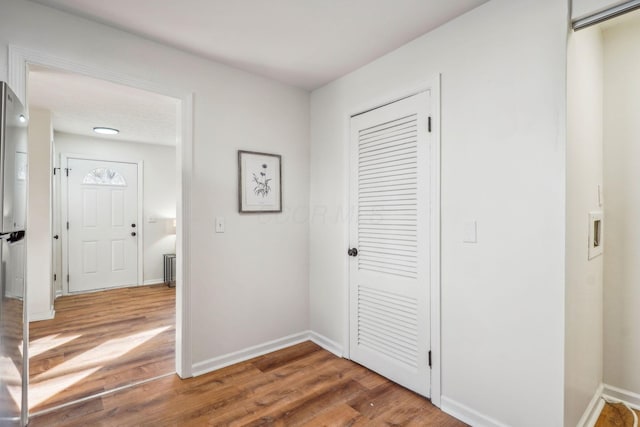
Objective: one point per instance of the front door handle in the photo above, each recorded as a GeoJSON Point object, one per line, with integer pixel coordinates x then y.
{"type": "Point", "coordinates": [352, 252]}
{"type": "Point", "coordinates": [133, 233]}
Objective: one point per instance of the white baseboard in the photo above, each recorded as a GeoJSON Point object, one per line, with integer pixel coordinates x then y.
{"type": "Point", "coordinates": [45, 315]}
{"type": "Point", "coordinates": [591, 414]}
{"type": "Point", "coordinates": [225, 360]}
{"type": "Point", "coordinates": [614, 393]}
{"type": "Point", "coordinates": [326, 343]}
{"type": "Point", "coordinates": [609, 392]}
{"type": "Point", "coordinates": [248, 353]}
{"type": "Point", "coordinates": [467, 415]}
{"type": "Point", "coordinates": [153, 282]}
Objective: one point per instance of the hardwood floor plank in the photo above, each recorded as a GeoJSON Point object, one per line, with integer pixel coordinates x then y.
{"type": "Point", "coordinates": [369, 379]}
{"type": "Point", "coordinates": [286, 356]}
{"type": "Point", "coordinates": [341, 415]}
{"type": "Point", "coordinates": [393, 405]}
{"type": "Point", "coordinates": [76, 413]}
{"type": "Point", "coordinates": [312, 404]}
{"type": "Point", "coordinates": [301, 385]}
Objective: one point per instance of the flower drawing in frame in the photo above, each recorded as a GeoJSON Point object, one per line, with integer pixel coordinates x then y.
{"type": "Point", "coordinates": [259, 182]}
{"type": "Point", "coordinates": [262, 187]}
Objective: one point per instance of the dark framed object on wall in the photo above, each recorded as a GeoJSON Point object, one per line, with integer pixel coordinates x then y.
{"type": "Point", "coordinates": [259, 182]}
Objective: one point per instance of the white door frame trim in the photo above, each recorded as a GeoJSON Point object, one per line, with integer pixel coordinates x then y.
{"type": "Point", "coordinates": [433, 86]}
{"type": "Point", "coordinates": [19, 59]}
{"type": "Point", "coordinates": [64, 214]}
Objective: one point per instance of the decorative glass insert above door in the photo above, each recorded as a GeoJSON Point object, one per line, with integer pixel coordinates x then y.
{"type": "Point", "coordinates": [104, 176]}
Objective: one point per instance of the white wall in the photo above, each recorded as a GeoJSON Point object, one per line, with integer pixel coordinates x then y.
{"type": "Point", "coordinates": [250, 284]}
{"type": "Point", "coordinates": [39, 269]}
{"type": "Point", "coordinates": [159, 189]}
{"type": "Point", "coordinates": [622, 205]}
{"type": "Point", "coordinates": [584, 277]}
{"type": "Point", "coordinates": [503, 164]}
{"type": "Point", "coordinates": [584, 8]}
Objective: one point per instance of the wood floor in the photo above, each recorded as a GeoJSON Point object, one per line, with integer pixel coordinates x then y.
{"type": "Point", "coordinates": [300, 385]}
{"type": "Point", "coordinates": [101, 341]}
{"type": "Point", "coordinates": [615, 415]}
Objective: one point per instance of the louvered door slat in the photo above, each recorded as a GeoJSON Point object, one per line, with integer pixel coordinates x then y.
{"type": "Point", "coordinates": [389, 126]}
{"type": "Point", "coordinates": [397, 328]}
{"type": "Point", "coordinates": [405, 157]}
{"type": "Point", "coordinates": [394, 185]}
{"type": "Point", "coordinates": [389, 229]}
{"type": "Point", "coordinates": [396, 146]}
{"type": "Point", "coordinates": [388, 172]}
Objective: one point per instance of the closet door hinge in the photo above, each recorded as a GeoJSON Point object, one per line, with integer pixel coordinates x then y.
{"type": "Point", "coordinates": [429, 124]}
{"type": "Point", "coordinates": [67, 278]}
{"type": "Point", "coordinates": [55, 277]}
{"type": "Point", "coordinates": [429, 358]}
{"type": "Point", "coordinates": [67, 225]}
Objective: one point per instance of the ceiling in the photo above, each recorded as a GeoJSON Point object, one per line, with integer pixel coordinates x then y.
{"type": "Point", "coordinates": [304, 43]}
{"type": "Point", "coordinates": [78, 103]}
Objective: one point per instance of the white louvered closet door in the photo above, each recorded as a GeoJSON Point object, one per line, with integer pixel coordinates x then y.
{"type": "Point", "coordinates": [389, 276]}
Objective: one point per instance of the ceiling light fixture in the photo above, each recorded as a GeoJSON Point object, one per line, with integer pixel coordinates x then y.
{"type": "Point", "coordinates": [106, 131]}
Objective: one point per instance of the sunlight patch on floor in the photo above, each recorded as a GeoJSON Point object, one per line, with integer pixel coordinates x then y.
{"type": "Point", "coordinates": [40, 392]}
{"type": "Point", "coordinates": [44, 344]}
{"type": "Point", "coordinates": [58, 378]}
{"type": "Point", "coordinates": [12, 379]}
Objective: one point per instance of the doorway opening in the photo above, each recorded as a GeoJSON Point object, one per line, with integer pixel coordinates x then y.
{"type": "Point", "coordinates": [112, 318]}
{"type": "Point", "coordinates": [602, 206]}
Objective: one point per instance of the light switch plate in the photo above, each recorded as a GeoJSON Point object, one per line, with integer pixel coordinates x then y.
{"type": "Point", "coordinates": [470, 232]}
{"type": "Point", "coordinates": [219, 224]}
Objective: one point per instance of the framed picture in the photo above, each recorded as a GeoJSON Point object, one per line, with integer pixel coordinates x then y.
{"type": "Point", "coordinates": [259, 182]}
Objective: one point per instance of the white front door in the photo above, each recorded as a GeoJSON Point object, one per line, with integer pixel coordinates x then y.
{"type": "Point", "coordinates": [389, 283]}
{"type": "Point", "coordinates": [102, 212]}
